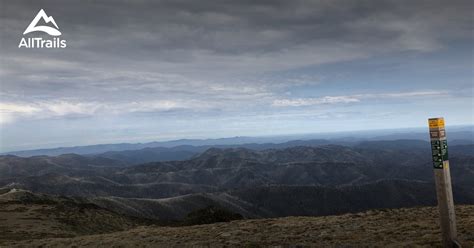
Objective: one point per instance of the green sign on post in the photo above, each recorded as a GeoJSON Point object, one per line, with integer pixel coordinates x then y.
{"type": "Point", "coordinates": [439, 149]}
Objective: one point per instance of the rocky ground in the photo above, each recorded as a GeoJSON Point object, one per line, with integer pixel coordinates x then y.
{"type": "Point", "coordinates": [412, 227]}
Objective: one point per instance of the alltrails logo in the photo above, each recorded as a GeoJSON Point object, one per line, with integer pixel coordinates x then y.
{"type": "Point", "coordinates": [38, 42]}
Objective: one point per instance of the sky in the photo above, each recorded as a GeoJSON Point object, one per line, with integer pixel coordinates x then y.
{"type": "Point", "coordinates": [137, 71]}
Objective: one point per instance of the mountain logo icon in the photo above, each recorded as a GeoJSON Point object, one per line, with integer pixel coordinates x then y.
{"type": "Point", "coordinates": [47, 29]}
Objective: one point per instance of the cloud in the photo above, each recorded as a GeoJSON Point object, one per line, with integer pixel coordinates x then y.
{"type": "Point", "coordinates": [61, 108]}
{"type": "Point", "coordinates": [8, 111]}
{"type": "Point", "coordinates": [189, 50]}
{"type": "Point", "coordinates": [407, 94]}
{"type": "Point", "coordinates": [241, 36]}
{"type": "Point", "coordinates": [175, 60]}
{"type": "Point", "coordinates": [313, 101]}
{"type": "Point", "coordinates": [14, 108]}
{"type": "Point", "coordinates": [298, 102]}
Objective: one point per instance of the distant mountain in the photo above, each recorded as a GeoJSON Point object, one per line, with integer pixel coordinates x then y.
{"type": "Point", "coordinates": [157, 154]}
{"type": "Point", "coordinates": [146, 155]}
{"type": "Point", "coordinates": [91, 149]}
{"type": "Point", "coordinates": [172, 150]}
{"type": "Point", "coordinates": [462, 135]}
{"type": "Point", "coordinates": [224, 169]}
{"type": "Point", "coordinates": [13, 166]}
{"type": "Point", "coordinates": [399, 144]}
{"type": "Point", "coordinates": [185, 152]}
{"type": "Point", "coordinates": [102, 148]}
{"type": "Point", "coordinates": [465, 136]}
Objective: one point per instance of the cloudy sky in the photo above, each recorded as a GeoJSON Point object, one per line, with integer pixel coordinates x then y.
{"type": "Point", "coordinates": [137, 71]}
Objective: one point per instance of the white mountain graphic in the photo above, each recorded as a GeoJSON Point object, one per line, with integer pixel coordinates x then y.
{"type": "Point", "coordinates": [49, 30]}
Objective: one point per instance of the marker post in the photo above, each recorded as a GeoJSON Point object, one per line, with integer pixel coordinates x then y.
{"type": "Point", "coordinates": [439, 149]}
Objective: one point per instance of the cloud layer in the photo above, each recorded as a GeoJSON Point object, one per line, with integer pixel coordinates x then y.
{"type": "Point", "coordinates": [170, 60]}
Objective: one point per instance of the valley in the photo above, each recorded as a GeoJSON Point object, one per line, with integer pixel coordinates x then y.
{"type": "Point", "coordinates": [74, 196]}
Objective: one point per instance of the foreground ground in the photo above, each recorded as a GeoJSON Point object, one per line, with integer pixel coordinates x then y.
{"type": "Point", "coordinates": [382, 228]}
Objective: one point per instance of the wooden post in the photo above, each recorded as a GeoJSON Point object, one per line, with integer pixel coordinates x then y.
{"type": "Point", "coordinates": [439, 149]}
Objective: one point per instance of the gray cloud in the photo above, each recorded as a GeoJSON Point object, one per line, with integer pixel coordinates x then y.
{"type": "Point", "coordinates": [356, 98]}
{"type": "Point", "coordinates": [207, 57]}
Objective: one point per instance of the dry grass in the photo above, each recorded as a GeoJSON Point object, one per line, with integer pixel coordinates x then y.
{"type": "Point", "coordinates": [412, 227]}
{"type": "Point", "coordinates": [20, 221]}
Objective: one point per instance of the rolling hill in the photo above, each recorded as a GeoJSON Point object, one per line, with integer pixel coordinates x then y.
{"type": "Point", "coordinates": [24, 214]}
{"type": "Point", "coordinates": [71, 195]}
{"type": "Point", "coordinates": [262, 183]}
{"type": "Point", "coordinates": [411, 227]}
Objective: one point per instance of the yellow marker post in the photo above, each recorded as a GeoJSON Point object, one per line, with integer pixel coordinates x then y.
{"type": "Point", "coordinates": [444, 192]}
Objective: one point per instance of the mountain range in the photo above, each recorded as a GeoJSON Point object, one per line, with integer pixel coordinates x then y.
{"type": "Point", "coordinates": [261, 182]}
{"type": "Point", "coordinates": [458, 135]}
